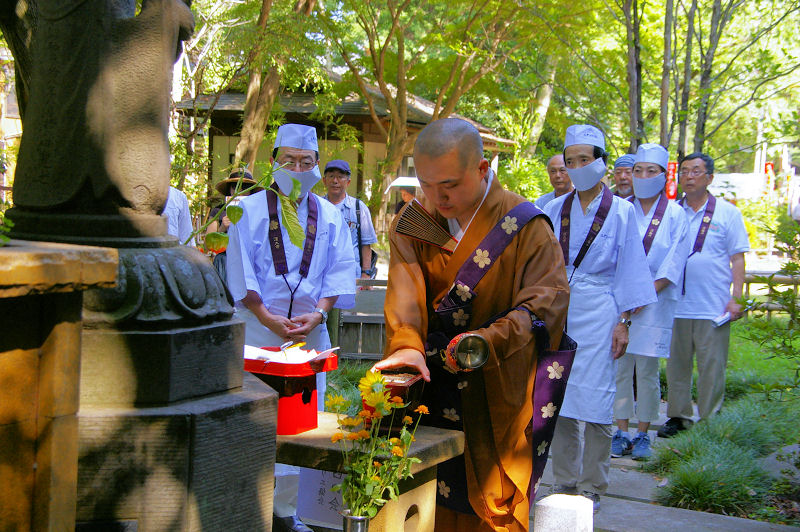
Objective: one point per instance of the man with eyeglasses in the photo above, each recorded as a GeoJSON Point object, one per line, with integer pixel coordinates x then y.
{"type": "Point", "coordinates": [707, 303]}
{"type": "Point", "coordinates": [559, 179]}
{"type": "Point", "coordinates": [283, 291]}
{"type": "Point", "coordinates": [356, 215]}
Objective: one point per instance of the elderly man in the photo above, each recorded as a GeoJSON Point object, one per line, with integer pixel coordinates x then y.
{"type": "Point", "coordinates": [623, 175]}
{"type": "Point", "coordinates": [284, 291]}
{"type": "Point", "coordinates": [355, 213]}
{"type": "Point", "coordinates": [505, 274]}
{"type": "Point", "coordinates": [707, 303]}
{"type": "Point", "coordinates": [609, 277]}
{"type": "Point", "coordinates": [559, 180]}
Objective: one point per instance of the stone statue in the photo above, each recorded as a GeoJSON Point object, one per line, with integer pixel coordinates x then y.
{"type": "Point", "coordinates": [96, 120]}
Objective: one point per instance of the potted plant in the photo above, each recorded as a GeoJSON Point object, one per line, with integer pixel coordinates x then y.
{"type": "Point", "coordinates": [375, 461]}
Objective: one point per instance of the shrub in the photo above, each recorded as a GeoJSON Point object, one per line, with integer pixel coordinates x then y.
{"type": "Point", "coordinates": [724, 478]}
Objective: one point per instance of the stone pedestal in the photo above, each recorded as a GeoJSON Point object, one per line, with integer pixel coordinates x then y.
{"type": "Point", "coordinates": [205, 464]}
{"type": "Point", "coordinates": [40, 303]}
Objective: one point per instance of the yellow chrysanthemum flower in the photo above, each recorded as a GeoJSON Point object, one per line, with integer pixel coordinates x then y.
{"type": "Point", "coordinates": [363, 434]}
{"type": "Point", "coordinates": [365, 414]}
{"type": "Point", "coordinates": [349, 422]}
{"type": "Point", "coordinates": [377, 400]}
{"type": "Point", "coordinates": [336, 403]}
{"type": "Point", "coordinates": [376, 478]}
{"type": "Point", "coordinates": [395, 441]}
{"type": "Point", "coordinates": [407, 420]}
{"type": "Point", "coordinates": [336, 437]}
{"type": "Point", "coordinates": [396, 399]}
{"type": "Point", "coordinates": [397, 451]}
{"type": "Point", "coordinates": [422, 409]}
{"type": "Point", "coordinates": [377, 464]}
{"type": "Point", "coordinates": [370, 383]}
{"type": "Point", "coordinates": [352, 436]}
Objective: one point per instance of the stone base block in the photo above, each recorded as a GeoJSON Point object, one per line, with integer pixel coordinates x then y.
{"type": "Point", "coordinates": [200, 465]}
{"type": "Point", "coordinates": [563, 512]}
{"type": "Point", "coordinates": [158, 367]}
{"type": "Point", "coordinates": [415, 508]}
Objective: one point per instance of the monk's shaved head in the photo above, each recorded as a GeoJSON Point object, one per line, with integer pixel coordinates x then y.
{"type": "Point", "coordinates": [443, 136]}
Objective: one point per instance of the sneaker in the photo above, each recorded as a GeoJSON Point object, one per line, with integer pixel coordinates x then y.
{"type": "Point", "coordinates": [673, 426]}
{"type": "Point", "coordinates": [565, 490]}
{"type": "Point", "coordinates": [595, 498]}
{"type": "Point", "coordinates": [620, 444]}
{"type": "Point", "coordinates": [641, 447]}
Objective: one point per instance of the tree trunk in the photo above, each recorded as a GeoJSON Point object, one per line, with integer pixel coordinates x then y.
{"type": "Point", "coordinates": [683, 112]}
{"type": "Point", "coordinates": [715, 32]}
{"type": "Point", "coordinates": [257, 107]}
{"type": "Point", "coordinates": [665, 72]}
{"type": "Point", "coordinates": [261, 95]}
{"type": "Point", "coordinates": [634, 74]}
{"type": "Point", "coordinates": [540, 106]}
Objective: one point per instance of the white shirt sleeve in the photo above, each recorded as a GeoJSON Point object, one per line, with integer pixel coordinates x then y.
{"type": "Point", "coordinates": [368, 235]}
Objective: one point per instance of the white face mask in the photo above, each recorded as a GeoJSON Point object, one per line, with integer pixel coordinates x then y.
{"type": "Point", "coordinates": [647, 187]}
{"type": "Point", "coordinates": [286, 178]}
{"type": "Point", "coordinates": [587, 176]}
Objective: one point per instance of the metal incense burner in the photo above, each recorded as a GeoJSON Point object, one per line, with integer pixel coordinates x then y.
{"type": "Point", "coordinates": [466, 352]}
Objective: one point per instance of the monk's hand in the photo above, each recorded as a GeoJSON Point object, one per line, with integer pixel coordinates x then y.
{"type": "Point", "coordinates": [619, 340]}
{"type": "Point", "coordinates": [402, 358]}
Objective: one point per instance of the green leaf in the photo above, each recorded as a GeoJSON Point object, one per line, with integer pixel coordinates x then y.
{"type": "Point", "coordinates": [216, 242]}
{"type": "Point", "coordinates": [295, 194]}
{"type": "Point", "coordinates": [290, 221]}
{"type": "Point", "coordinates": [234, 213]}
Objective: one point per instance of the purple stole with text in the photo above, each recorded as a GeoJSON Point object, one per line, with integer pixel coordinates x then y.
{"type": "Point", "coordinates": [702, 231]}
{"type": "Point", "coordinates": [655, 223]}
{"type": "Point", "coordinates": [276, 245]}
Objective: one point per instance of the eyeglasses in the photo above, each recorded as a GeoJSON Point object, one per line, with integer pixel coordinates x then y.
{"type": "Point", "coordinates": [337, 177]}
{"type": "Point", "coordinates": [291, 164]}
{"type": "Point", "coordinates": [696, 172]}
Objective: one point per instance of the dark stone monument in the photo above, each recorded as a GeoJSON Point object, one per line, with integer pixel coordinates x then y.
{"type": "Point", "coordinates": [170, 436]}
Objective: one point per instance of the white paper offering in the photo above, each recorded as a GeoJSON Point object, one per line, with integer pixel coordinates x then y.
{"type": "Point", "coordinates": [291, 355]}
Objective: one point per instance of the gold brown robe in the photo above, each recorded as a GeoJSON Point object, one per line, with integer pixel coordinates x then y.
{"type": "Point", "coordinates": [497, 404]}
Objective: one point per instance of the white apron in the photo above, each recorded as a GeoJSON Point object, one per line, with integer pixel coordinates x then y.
{"type": "Point", "coordinates": [592, 316]}
{"type": "Point", "coordinates": [651, 329]}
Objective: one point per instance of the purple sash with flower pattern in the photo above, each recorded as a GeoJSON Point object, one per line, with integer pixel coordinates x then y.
{"type": "Point", "coordinates": [552, 372]}
{"type": "Point", "coordinates": [655, 222]}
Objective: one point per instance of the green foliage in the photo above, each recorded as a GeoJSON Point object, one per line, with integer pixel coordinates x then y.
{"type": "Point", "coordinates": [526, 177]}
{"type": "Point", "coordinates": [713, 466]}
{"type": "Point", "coordinates": [344, 381]}
{"type": "Point", "coordinates": [759, 216]}
{"type": "Point", "coordinates": [781, 339]}
{"type": "Point", "coordinates": [724, 479]}
{"type": "Point", "coordinates": [5, 226]}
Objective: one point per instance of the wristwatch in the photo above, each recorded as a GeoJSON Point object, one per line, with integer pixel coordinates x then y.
{"type": "Point", "coordinates": [626, 322]}
{"type": "Point", "coordinates": [324, 315]}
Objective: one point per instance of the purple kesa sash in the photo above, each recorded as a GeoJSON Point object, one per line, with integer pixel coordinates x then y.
{"type": "Point", "coordinates": [597, 224]}
{"type": "Point", "coordinates": [276, 242]}
{"type": "Point", "coordinates": [700, 239]}
{"type": "Point", "coordinates": [655, 223]}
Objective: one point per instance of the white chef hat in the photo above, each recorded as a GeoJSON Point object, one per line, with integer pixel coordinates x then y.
{"type": "Point", "coordinates": [584, 134]}
{"type": "Point", "coordinates": [652, 153]}
{"type": "Point", "coordinates": [297, 136]}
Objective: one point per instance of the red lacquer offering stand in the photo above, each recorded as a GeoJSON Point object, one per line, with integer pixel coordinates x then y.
{"type": "Point", "coordinates": [296, 385]}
